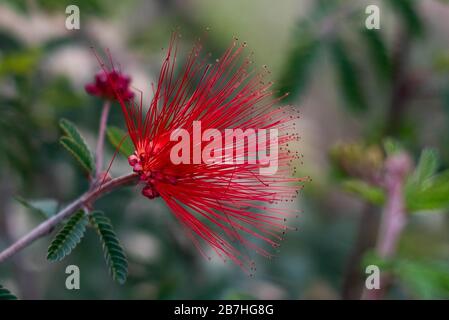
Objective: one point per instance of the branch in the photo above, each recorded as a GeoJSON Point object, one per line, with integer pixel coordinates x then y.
{"type": "Point", "coordinates": [394, 216]}
{"type": "Point", "coordinates": [47, 226]}
{"type": "Point", "coordinates": [354, 279]}
{"type": "Point", "coordinates": [402, 85]}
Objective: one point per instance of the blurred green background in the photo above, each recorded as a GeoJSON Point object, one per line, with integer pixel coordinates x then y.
{"type": "Point", "coordinates": [361, 93]}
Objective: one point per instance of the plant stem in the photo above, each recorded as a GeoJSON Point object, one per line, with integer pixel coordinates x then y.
{"type": "Point", "coordinates": [401, 84]}
{"type": "Point", "coordinates": [394, 216]}
{"type": "Point", "coordinates": [47, 226]}
{"type": "Point", "coordinates": [354, 278]}
{"type": "Point", "coordinates": [100, 142]}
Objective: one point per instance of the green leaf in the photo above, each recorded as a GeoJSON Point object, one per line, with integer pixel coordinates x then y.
{"type": "Point", "coordinates": [378, 52]}
{"type": "Point", "coordinates": [120, 140]}
{"type": "Point", "coordinates": [9, 43]}
{"type": "Point", "coordinates": [83, 158]}
{"type": "Point", "coordinates": [76, 145]}
{"type": "Point", "coordinates": [45, 207]}
{"type": "Point", "coordinates": [348, 78]}
{"type": "Point", "coordinates": [392, 146]}
{"type": "Point", "coordinates": [59, 92]}
{"type": "Point", "coordinates": [409, 14]}
{"type": "Point", "coordinates": [367, 192]}
{"type": "Point", "coordinates": [427, 166]}
{"type": "Point", "coordinates": [431, 195]}
{"type": "Point", "coordinates": [5, 294]}
{"type": "Point", "coordinates": [372, 258]}
{"type": "Point", "coordinates": [294, 77]}
{"type": "Point", "coordinates": [428, 280]}
{"type": "Point", "coordinates": [72, 132]}
{"type": "Point", "coordinates": [19, 63]}
{"type": "Point", "coordinates": [67, 239]}
{"type": "Point", "coordinates": [425, 189]}
{"type": "Point", "coordinates": [113, 251]}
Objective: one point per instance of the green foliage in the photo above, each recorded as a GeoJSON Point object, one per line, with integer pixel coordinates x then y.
{"type": "Point", "coordinates": [294, 78]}
{"type": "Point", "coordinates": [20, 125]}
{"type": "Point", "coordinates": [427, 166]}
{"type": "Point", "coordinates": [407, 11]}
{"type": "Point", "coordinates": [72, 132]}
{"type": "Point", "coordinates": [378, 52]}
{"type": "Point", "coordinates": [432, 194]}
{"type": "Point", "coordinates": [425, 188]}
{"type": "Point", "coordinates": [348, 78]}
{"type": "Point", "coordinates": [59, 93]}
{"type": "Point", "coordinates": [426, 279]}
{"type": "Point", "coordinates": [46, 207]}
{"type": "Point", "coordinates": [8, 43]}
{"type": "Point", "coordinates": [78, 153]}
{"type": "Point", "coordinates": [440, 64]}
{"type": "Point", "coordinates": [75, 144]}
{"type": "Point", "coordinates": [120, 140]}
{"type": "Point", "coordinates": [19, 63]}
{"type": "Point", "coordinates": [113, 251]}
{"type": "Point", "coordinates": [372, 194]}
{"type": "Point", "coordinates": [17, 143]}
{"type": "Point", "coordinates": [392, 146]}
{"type": "Point", "coordinates": [5, 294]}
{"type": "Point", "coordinates": [68, 238]}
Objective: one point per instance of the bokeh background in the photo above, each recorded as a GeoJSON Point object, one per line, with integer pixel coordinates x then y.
{"type": "Point", "coordinates": [363, 95]}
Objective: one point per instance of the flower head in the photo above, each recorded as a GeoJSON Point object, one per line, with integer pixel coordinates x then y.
{"type": "Point", "coordinates": [110, 84]}
{"type": "Point", "coordinates": [226, 203]}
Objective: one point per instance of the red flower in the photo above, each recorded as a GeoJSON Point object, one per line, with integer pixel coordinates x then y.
{"type": "Point", "coordinates": [109, 84]}
{"type": "Point", "coordinates": [229, 206]}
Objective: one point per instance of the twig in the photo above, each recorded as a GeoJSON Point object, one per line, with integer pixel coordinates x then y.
{"type": "Point", "coordinates": [401, 86]}
{"type": "Point", "coordinates": [394, 216]}
{"type": "Point", "coordinates": [101, 133]}
{"type": "Point", "coordinates": [47, 226]}
{"type": "Point", "coordinates": [354, 279]}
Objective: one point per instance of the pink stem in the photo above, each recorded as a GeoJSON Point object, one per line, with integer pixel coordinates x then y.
{"type": "Point", "coordinates": [101, 134]}
{"type": "Point", "coordinates": [394, 216]}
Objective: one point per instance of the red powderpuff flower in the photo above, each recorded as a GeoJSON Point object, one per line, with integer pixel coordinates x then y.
{"type": "Point", "coordinates": [109, 85]}
{"type": "Point", "coordinates": [231, 207]}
